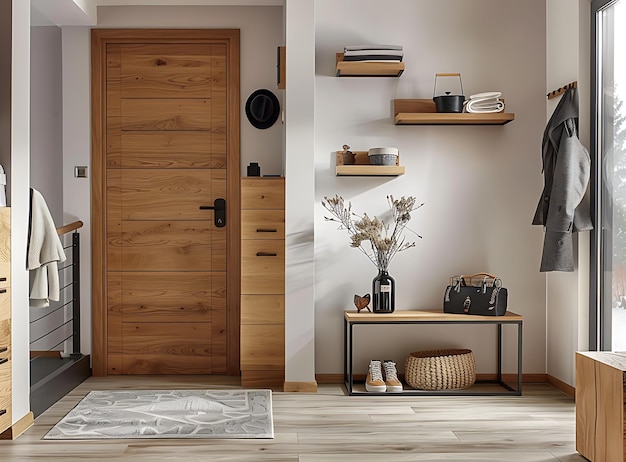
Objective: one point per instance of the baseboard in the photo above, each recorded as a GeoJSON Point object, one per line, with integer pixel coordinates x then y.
{"type": "Point", "coordinates": [18, 427]}
{"type": "Point", "coordinates": [512, 378]}
{"type": "Point", "coordinates": [508, 378]}
{"type": "Point", "coordinates": [45, 354]}
{"type": "Point", "coordinates": [561, 386]}
{"type": "Point", "coordinates": [300, 387]}
{"type": "Point", "coordinates": [329, 378]}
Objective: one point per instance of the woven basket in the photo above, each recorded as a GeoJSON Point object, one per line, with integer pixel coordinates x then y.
{"type": "Point", "coordinates": [441, 369]}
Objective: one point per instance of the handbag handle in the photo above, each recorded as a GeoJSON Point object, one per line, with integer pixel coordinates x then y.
{"type": "Point", "coordinates": [478, 274]}
{"type": "Point", "coordinates": [462, 280]}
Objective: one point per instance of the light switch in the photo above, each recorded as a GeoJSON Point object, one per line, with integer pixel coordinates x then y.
{"type": "Point", "coordinates": [80, 171]}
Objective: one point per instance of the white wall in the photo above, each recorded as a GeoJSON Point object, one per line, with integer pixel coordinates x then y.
{"type": "Point", "coordinates": [77, 151]}
{"type": "Point", "coordinates": [46, 122]}
{"type": "Point", "coordinates": [20, 168]}
{"type": "Point", "coordinates": [480, 184]}
{"type": "Point", "coordinates": [6, 58]}
{"type": "Point", "coordinates": [567, 59]}
{"type": "Point", "coordinates": [261, 32]}
{"type": "Point", "coordinates": [300, 142]}
{"type": "Point", "coordinates": [46, 157]}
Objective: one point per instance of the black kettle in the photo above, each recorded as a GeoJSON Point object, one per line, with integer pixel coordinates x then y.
{"type": "Point", "coordinates": [446, 101]}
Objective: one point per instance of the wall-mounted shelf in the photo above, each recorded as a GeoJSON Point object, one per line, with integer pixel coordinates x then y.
{"type": "Point", "coordinates": [423, 112]}
{"type": "Point", "coordinates": [362, 167]}
{"type": "Point", "coordinates": [367, 68]}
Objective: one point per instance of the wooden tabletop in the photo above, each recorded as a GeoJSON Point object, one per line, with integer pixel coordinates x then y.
{"type": "Point", "coordinates": [426, 315]}
{"type": "Point", "coordinates": [615, 359]}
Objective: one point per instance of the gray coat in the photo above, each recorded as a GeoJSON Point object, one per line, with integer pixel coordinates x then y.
{"type": "Point", "coordinates": [564, 204]}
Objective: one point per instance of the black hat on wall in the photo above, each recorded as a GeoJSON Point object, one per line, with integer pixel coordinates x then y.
{"type": "Point", "coordinates": [262, 108]}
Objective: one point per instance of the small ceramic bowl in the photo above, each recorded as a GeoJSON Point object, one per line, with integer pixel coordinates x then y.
{"type": "Point", "coordinates": [383, 156]}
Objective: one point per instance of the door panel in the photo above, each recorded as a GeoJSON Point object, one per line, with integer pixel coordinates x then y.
{"type": "Point", "coordinates": [169, 70]}
{"type": "Point", "coordinates": [171, 297]}
{"type": "Point", "coordinates": [162, 246]}
{"type": "Point", "coordinates": [166, 155]}
{"type": "Point", "coordinates": [149, 194]}
{"type": "Point", "coordinates": [165, 114]}
{"type": "Point", "coordinates": [219, 323]}
{"type": "Point", "coordinates": [158, 348]}
{"type": "Point", "coordinates": [205, 149]}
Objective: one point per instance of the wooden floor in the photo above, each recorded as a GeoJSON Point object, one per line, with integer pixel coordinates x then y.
{"type": "Point", "coordinates": [330, 426]}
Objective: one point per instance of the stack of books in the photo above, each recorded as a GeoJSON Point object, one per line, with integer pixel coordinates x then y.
{"type": "Point", "coordinates": [373, 53]}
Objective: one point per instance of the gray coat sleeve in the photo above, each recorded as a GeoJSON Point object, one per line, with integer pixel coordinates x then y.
{"type": "Point", "coordinates": [558, 252]}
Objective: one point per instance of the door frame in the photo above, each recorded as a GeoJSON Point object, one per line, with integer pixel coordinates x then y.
{"type": "Point", "coordinates": [100, 38]}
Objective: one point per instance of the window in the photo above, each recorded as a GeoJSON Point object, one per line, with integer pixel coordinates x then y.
{"type": "Point", "coordinates": [608, 284]}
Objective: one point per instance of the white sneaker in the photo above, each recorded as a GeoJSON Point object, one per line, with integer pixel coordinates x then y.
{"type": "Point", "coordinates": [374, 380]}
{"type": "Point", "coordinates": [392, 383]}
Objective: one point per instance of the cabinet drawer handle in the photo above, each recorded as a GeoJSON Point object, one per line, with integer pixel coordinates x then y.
{"type": "Point", "coordinates": [3, 279]}
{"type": "Point", "coordinates": [3, 360]}
{"type": "Point", "coordinates": [3, 411]}
{"type": "Point", "coordinates": [266, 230]}
{"type": "Point", "coordinates": [266, 254]}
{"type": "Point", "coordinates": [3, 291]}
{"type": "Point", "coordinates": [3, 349]}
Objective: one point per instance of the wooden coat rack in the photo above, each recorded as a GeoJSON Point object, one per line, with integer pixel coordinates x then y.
{"type": "Point", "coordinates": [560, 91]}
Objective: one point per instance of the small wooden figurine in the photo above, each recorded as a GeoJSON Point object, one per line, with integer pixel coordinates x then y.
{"type": "Point", "coordinates": [348, 156]}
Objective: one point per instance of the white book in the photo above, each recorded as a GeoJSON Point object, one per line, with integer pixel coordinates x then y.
{"type": "Point", "coordinates": [376, 57]}
{"type": "Point", "coordinates": [374, 61]}
{"type": "Point", "coordinates": [372, 47]}
{"type": "Point", "coordinates": [373, 51]}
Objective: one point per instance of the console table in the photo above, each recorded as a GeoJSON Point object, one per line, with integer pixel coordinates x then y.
{"type": "Point", "coordinates": [352, 319]}
{"type": "Point", "coordinates": [600, 405]}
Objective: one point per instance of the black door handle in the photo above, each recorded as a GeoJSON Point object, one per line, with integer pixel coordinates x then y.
{"type": "Point", "coordinates": [219, 217]}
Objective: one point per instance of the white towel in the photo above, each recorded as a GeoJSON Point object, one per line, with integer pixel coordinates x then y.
{"type": "Point", "coordinates": [484, 103]}
{"type": "Point", "coordinates": [45, 250]}
{"type": "Point", "coordinates": [484, 106]}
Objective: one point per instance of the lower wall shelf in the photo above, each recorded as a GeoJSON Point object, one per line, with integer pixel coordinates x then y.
{"type": "Point", "coordinates": [362, 167]}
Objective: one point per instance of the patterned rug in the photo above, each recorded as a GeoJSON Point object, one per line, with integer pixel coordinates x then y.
{"type": "Point", "coordinates": [168, 414]}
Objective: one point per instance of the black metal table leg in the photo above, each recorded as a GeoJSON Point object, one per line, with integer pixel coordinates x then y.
{"type": "Point", "coordinates": [519, 358]}
{"type": "Point", "coordinates": [345, 353]}
{"type": "Point", "coordinates": [499, 353]}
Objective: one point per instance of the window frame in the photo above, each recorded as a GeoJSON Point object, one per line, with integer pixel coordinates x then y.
{"type": "Point", "coordinates": [599, 310]}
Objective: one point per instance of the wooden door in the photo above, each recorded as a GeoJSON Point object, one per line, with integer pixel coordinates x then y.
{"type": "Point", "coordinates": [168, 152]}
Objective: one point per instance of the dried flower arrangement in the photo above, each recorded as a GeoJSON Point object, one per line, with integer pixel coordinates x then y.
{"type": "Point", "coordinates": [385, 241]}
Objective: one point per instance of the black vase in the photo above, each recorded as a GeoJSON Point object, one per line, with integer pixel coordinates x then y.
{"type": "Point", "coordinates": [383, 293]}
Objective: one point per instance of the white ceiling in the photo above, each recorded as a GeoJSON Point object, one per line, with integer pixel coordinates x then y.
{"type": "Point", "coordinates": [85, 12]}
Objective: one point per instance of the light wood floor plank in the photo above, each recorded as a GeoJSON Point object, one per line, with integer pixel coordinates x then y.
{"type": "Point", "coordinates": [329, 426]}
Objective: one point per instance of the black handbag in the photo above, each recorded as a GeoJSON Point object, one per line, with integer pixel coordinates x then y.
{"type": "Point", "coordinates": [480, 293]}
